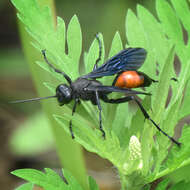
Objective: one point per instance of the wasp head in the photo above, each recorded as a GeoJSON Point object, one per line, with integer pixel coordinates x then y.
{"type": "Point", "coordinates": [63, 94]}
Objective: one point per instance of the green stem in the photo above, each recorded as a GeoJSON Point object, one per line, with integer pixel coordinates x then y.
{"type": "Point", "coordinates": [169, 170]}
{"type": "Point", "coordinates": [69, 152]}
{"type": "Point", "coordinates": [134, 181]}
{"type": "Point", "coordinates": [122, 180]}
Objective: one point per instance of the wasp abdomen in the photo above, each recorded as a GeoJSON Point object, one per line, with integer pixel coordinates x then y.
{"type": "Point", "coordinates": [129, 79]}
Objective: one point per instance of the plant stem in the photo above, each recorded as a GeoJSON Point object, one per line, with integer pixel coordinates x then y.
{"type": "Point", "coordinates": [122, 180]}
{"type": "Point", "coordinates": [170, 170]}
{"type": "Point", "coordinates": [69, 152]}
{"type": "Point", "coordinates": [133, 181]}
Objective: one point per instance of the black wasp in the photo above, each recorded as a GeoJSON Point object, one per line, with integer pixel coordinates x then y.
{"type": "Point", "coordinates": [87, 88]}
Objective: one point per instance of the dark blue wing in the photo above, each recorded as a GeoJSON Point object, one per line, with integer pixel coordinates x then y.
{"type": "Point", "coordinates": [109, 89]}
{"type": "Point", "coordinates": [127, 59]}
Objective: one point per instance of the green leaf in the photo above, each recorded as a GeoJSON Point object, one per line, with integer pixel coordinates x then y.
{"type": "Point", "coordinates": [143, 31]}
{"type": "Point", "coordinates": [46, 67]}
{"type": "Point", "coordinates": [181, 185]}
{"type": "Point", "coordinates": [184, 110]}
{"type": "Point", "coordinates": [91, 139]}
{"type": "Point", "coordinates": [72, 182]}
{"type": "Point", "coordinates": [135, 32]}
{"type": "Point", "coordinates": [146, 187]}
{"type": "Point", "coordinates": [159, 101]}
{"type": "Point", "coordinates": [26, 186]}
{"type": "Point", "coordinates": [111, 109]}
{"type": "Point", "coordinates": [74, 42]}
{"type": "Point", "coordinates": [137, 38]}
{"type": "Point", "coordinates": [31, 175]}
{"type": "Point", "coordinates": [173, 30]}
{"type": "Point", "coordinates": [82, 130]}
{"type": "Point", "coordinates": [50, 86]}
{"type": "Point", "coordinates": [169, 21]}
{"type": "Point", "coordinates": [172, 27]}
{"type": "Point", "coordinates": [178, 156]}
{"type": "Point", "coordinates": [122, 123]}
{"type": "Point", "coordinates": [168, 124]}
{"type": "Point", "coordinates": [93, 53]}
{"type": "Point", "coordinates": [49, 35]}
{"type": "Point", "coordinates": [164, 83]}
{"type": "Point", "coordinates": [61, 32]}
{"type": "Point", "coordinates": [116, 45]}
{"type": "Point", "coordinates": [32, 20]}
{"type": "Point", "coordinates": [181, 174]}
{"type": "Point", "coordinates": [52, 40]}
{"type": "Point", "coordinates": [158, 45]}
{"type": "Point", "coordinates": [54, 180]}
{"type": "Point", "coordinates": [183, 12]}
{"type": "Point", "coordinates": [92, 184]}
{"type": "Point", "coordinates": [163, 184]}
{"type": "Point", "coordinates": [24, 142]}
{"type": "Point", "coordinates": [49, 180]}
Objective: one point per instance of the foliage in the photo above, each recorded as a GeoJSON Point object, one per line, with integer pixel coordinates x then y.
{"type": "Point", "coordinates": [50, 180]}
{"type": "Point", "coordinates": [136, 148]}
{"type": "Point", "coordinates": [22, 140]}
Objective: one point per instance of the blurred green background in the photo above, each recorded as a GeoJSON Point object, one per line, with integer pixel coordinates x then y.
{"type": "Point", "coordinates": [25, 139]}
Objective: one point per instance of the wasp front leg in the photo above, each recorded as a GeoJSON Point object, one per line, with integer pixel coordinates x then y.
{"type": "Point", "coordinates": [77, 101]}
{"type": "Point", "coordinates": [100, 52]}
{"type": "Point", "coordinates": [100, 114]}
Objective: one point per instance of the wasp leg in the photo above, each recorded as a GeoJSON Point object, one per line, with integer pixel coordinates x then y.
{"type": "Point", "coordinates": [70, 123]}
{"type": "Point", "coordinates": [55, 69]}
{"type": "Point", "coordinates": [146, 115]}
{"type": "Point", "coordinates": [100, 114]}
{"type": "Point", "coordinates": [100, 52]}
{"type": "Point", "coordinates": [174, 79]}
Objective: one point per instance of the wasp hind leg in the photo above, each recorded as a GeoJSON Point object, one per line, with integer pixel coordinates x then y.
{"type": "Point", "coordinates": [146, 115]}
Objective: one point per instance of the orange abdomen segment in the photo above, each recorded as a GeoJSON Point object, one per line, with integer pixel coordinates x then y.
{"type": "Point", "coordinates": [129, 79]}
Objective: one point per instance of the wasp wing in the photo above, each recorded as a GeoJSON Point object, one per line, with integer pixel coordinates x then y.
{"type": "Point", "coordinates": [127, 59]}
{"type": "Point", "coordinates": [109, 89]}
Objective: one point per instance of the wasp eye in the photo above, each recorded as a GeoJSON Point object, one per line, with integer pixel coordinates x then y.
{"type": "Point", "coordinates": [64, 94]}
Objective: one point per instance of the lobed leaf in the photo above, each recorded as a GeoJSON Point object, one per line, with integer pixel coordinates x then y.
{"type": "Point", "coordinates": [31, 175]}
{"type": "Point", "coordinates": [48, 180]}
{"type": "Point", "coordinates": [93, 53]}
{"type": "Point", "coordinates": [74, 49]}
{"type": "Point", "coordinates": [183, 12]}
{"type": "Point", "coordinates": [184, 109]}
{"type": "Point", "coordinates": [164, 83]}
{"type": "Point", "coordinates": [178, 156]}
{"type": "Point", "coordinates": [157, 44]}
{"type": "Point", "coordinates": [169, 21]}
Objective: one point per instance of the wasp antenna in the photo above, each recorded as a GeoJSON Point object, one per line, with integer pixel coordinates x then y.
{"type": "Point", "coordinates": [32, 99]}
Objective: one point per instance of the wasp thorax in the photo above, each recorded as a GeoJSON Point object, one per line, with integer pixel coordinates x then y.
{"type": "Point", "coordinates": [64, 94]}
